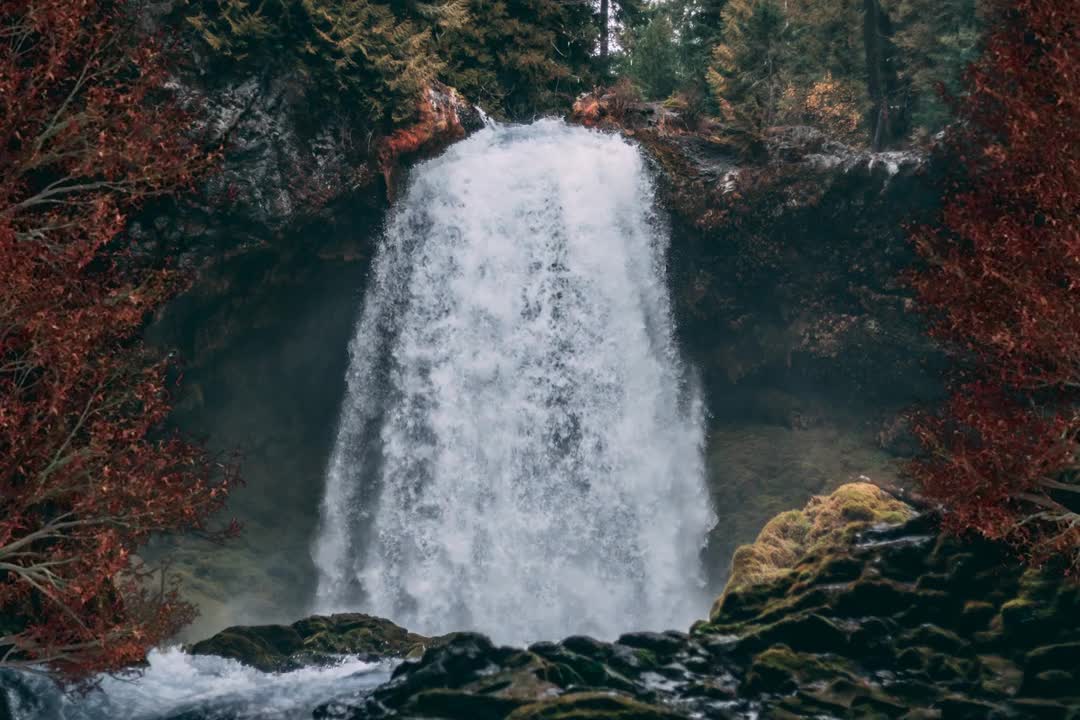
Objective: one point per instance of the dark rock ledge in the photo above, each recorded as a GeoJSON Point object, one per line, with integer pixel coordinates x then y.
{"type": "Point", "coordinates": [855, 607]}
{"type": "Point", "coordinates": [313, 641]}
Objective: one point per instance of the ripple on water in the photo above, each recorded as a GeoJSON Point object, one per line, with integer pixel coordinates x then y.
{"type": "Point", "coordinates": [178, 685]}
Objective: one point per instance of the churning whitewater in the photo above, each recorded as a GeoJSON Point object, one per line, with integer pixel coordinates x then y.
{"type": "Point", "coordinates": [520, 449]}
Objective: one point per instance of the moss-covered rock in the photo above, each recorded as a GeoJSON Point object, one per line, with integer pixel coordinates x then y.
{"type": "Point", "coordinates": [593, 706]}
{"type": "Point", "coordinates": [314, 640]}
{"type": "Point", "coordinates": [825, 523]}
{"type": "Point", "coordinates": [860, 608]}
{"type": "Point", "coordinates": [863, 610]}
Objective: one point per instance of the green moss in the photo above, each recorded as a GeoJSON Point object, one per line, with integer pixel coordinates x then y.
{"type": "Point", "coordinates": [647, 657]}
{"type": "Point", "coordinates": [592, 706]}
{"type": "Point", "coordinates": [999, 676]}
{"type": "Point", "coordinates": [458, 705]}
{"type": "Point", "coordinates": [780, 668]}
{"type": "Point", "coordinates": [272, 647]}
{"type": "Point", "coordinates": [757, 471]}
{"type": "Point", "coordinates": [825, 524]}
{"type": "Point", "coordinates": [265, 647]}
{"type": "Point", "coordinates": [1017, 611]}
{"type": "Point", "coordinates": [804, 632]}
{"type": "Point", "coordinates": [936, 638]}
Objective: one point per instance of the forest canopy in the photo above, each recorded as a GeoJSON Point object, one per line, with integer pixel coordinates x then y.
{"type": "Point", "coordinates": [514, 57]}
{"type": "Point", "coordinates": [870, 71]}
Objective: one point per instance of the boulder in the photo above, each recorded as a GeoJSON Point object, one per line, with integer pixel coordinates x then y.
{"type": "Point", "coordinates": [593, 706]}
{"type": "Point", "coordinates": [315, 640]}
{"type": "Point", "coordinates": [863, 610]}
{"type": "Point", "coordinates": [826, 522]}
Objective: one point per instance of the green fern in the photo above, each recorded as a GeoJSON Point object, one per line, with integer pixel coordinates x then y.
{"type": "Point", "coordinates": [377, 56]}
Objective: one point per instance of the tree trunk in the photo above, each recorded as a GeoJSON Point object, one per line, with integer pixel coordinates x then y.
{"type": "Point", "coordinates": [604, 13]}
{"type": "Point", "coordinates": [875, 75]}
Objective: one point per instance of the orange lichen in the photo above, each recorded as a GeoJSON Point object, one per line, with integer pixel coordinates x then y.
{"type": "Point", "coordinates": [438, 126]}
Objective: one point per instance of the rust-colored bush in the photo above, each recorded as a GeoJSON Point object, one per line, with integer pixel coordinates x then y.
{"type": "Point", "coordinates": [1001, 287]}
{"type": "Point", "coordinates": [87, 131]}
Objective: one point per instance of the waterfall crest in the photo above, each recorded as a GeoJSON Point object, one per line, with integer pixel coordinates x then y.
{"type": "Point", "coordinates": [519, 449]}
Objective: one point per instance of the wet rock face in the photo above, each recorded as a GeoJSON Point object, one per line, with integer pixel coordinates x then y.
{"type": "Point", "coordinates": [470, 679]}
{"type": "Point", "coordinates": [883, 621]}
{"type": "Point", "coordinates": [285, 165]}
{"type": "Point", "coordinates": [443, 118]}
{"type": "Point", "coordinates": [281, 169]}
{"type": "Point", "coordinates": [277, 241]}
{"type": "Point", "coordinates": [313, 641]}
{"type": "Point", "coordinates": [789, 272]}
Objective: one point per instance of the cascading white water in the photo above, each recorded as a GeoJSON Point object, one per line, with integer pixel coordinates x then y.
{"type": "Point", "coordinates": [176, 685]}
{"type": "Point", "coordinates": [520, 451]}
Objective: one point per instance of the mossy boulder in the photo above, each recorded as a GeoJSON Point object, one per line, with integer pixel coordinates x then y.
{"type": "Point", "coordinates": [781, 669]}
{"type": "Point", "coordinates": [825, 523]}
{"type": "Point", "coordinates": [312, 641]}
{"type": "Point", "coordinates": [594, 706]}
{"type": "Point", "coordinates": [468, 677]}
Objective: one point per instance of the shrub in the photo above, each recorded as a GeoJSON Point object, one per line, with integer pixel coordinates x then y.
{"type": "Point", "coordinates": [1001, 287]}
{"type": "Point", "coordinates": [86, 473]}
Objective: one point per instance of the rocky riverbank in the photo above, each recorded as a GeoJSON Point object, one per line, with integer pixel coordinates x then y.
{"type": "Point", "coordinates": [854, 607]}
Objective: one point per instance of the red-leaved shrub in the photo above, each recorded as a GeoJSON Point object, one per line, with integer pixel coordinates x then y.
{"type": "Point", "coordinates": [87, 131]}
{"type": "Point", "coordinates": [1001, 286]}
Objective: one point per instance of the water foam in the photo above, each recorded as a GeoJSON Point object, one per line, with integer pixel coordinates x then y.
{"type": "Point", "coordinates": [175, 684]}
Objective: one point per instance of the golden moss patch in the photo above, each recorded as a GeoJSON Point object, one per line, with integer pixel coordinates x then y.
{"type": "Point", "coordinates": [826, 521]}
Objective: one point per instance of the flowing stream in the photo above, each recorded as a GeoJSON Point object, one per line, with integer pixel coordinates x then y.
{"type": "Point", "coordinates": [178, 686]}
{"type": "Point", "coordinates": [520, 447]}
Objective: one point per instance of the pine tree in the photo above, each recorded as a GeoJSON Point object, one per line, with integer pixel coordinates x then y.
{"type": "Point", "coordinates": [888, 106]}
{"type": "Point", "coordinates": [830, 38]}
{"type": "Point", "coordinates": [521, 58]}
{"type": "Point", "coordinates": [514, 57]}
{"type": "Point", "coordinates": [698, 25]}
{"type": "Point", "coordinates": [752, 64]}
{"type": "Point", "coordinates": [624, 14]}
{"type": "Point", "coordinates": [651, 57]}
{"type": "Point", "coordinates": [938, 40]}
{"type": "Point", "coordinates": [357, 55]}
{"type": "Point", "coordinates": [847, 47]}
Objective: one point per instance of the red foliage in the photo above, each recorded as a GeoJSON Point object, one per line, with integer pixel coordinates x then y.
{"type": "Point", "coordinates": [86, 476]}
{"type": "Point", "coordinates": [1002, 286]}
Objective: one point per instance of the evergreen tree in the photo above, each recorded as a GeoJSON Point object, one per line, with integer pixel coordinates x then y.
{"type": "Point", "coordinates": [651, 57]}
{"type": "Point", "coordinates": [521, 58]}
{"type": "Point", "coordinates": [830, 39]}
{"type": "Point", "coordinates": [832, 64]}
{"type": "Point", "coordinates": [938, 40]}
{"type": "Point", "coordinates": [752, 64]}
{"type": "Point", "coordinates": [515, 57]}
{"type": "Point", "coordinates": [623, 14]}
{"type": "Point", "coordinates": [887, 118]}
{"type": "Point", "coordinates": [698, 25]}
{"type": "Point", "coordinates": [845, 48]}
{"type": "Point", "coordinates": [356, 54]}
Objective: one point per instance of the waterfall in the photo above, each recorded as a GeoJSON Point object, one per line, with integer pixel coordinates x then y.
{"type": "Point", "coordinates": [520, 447]}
